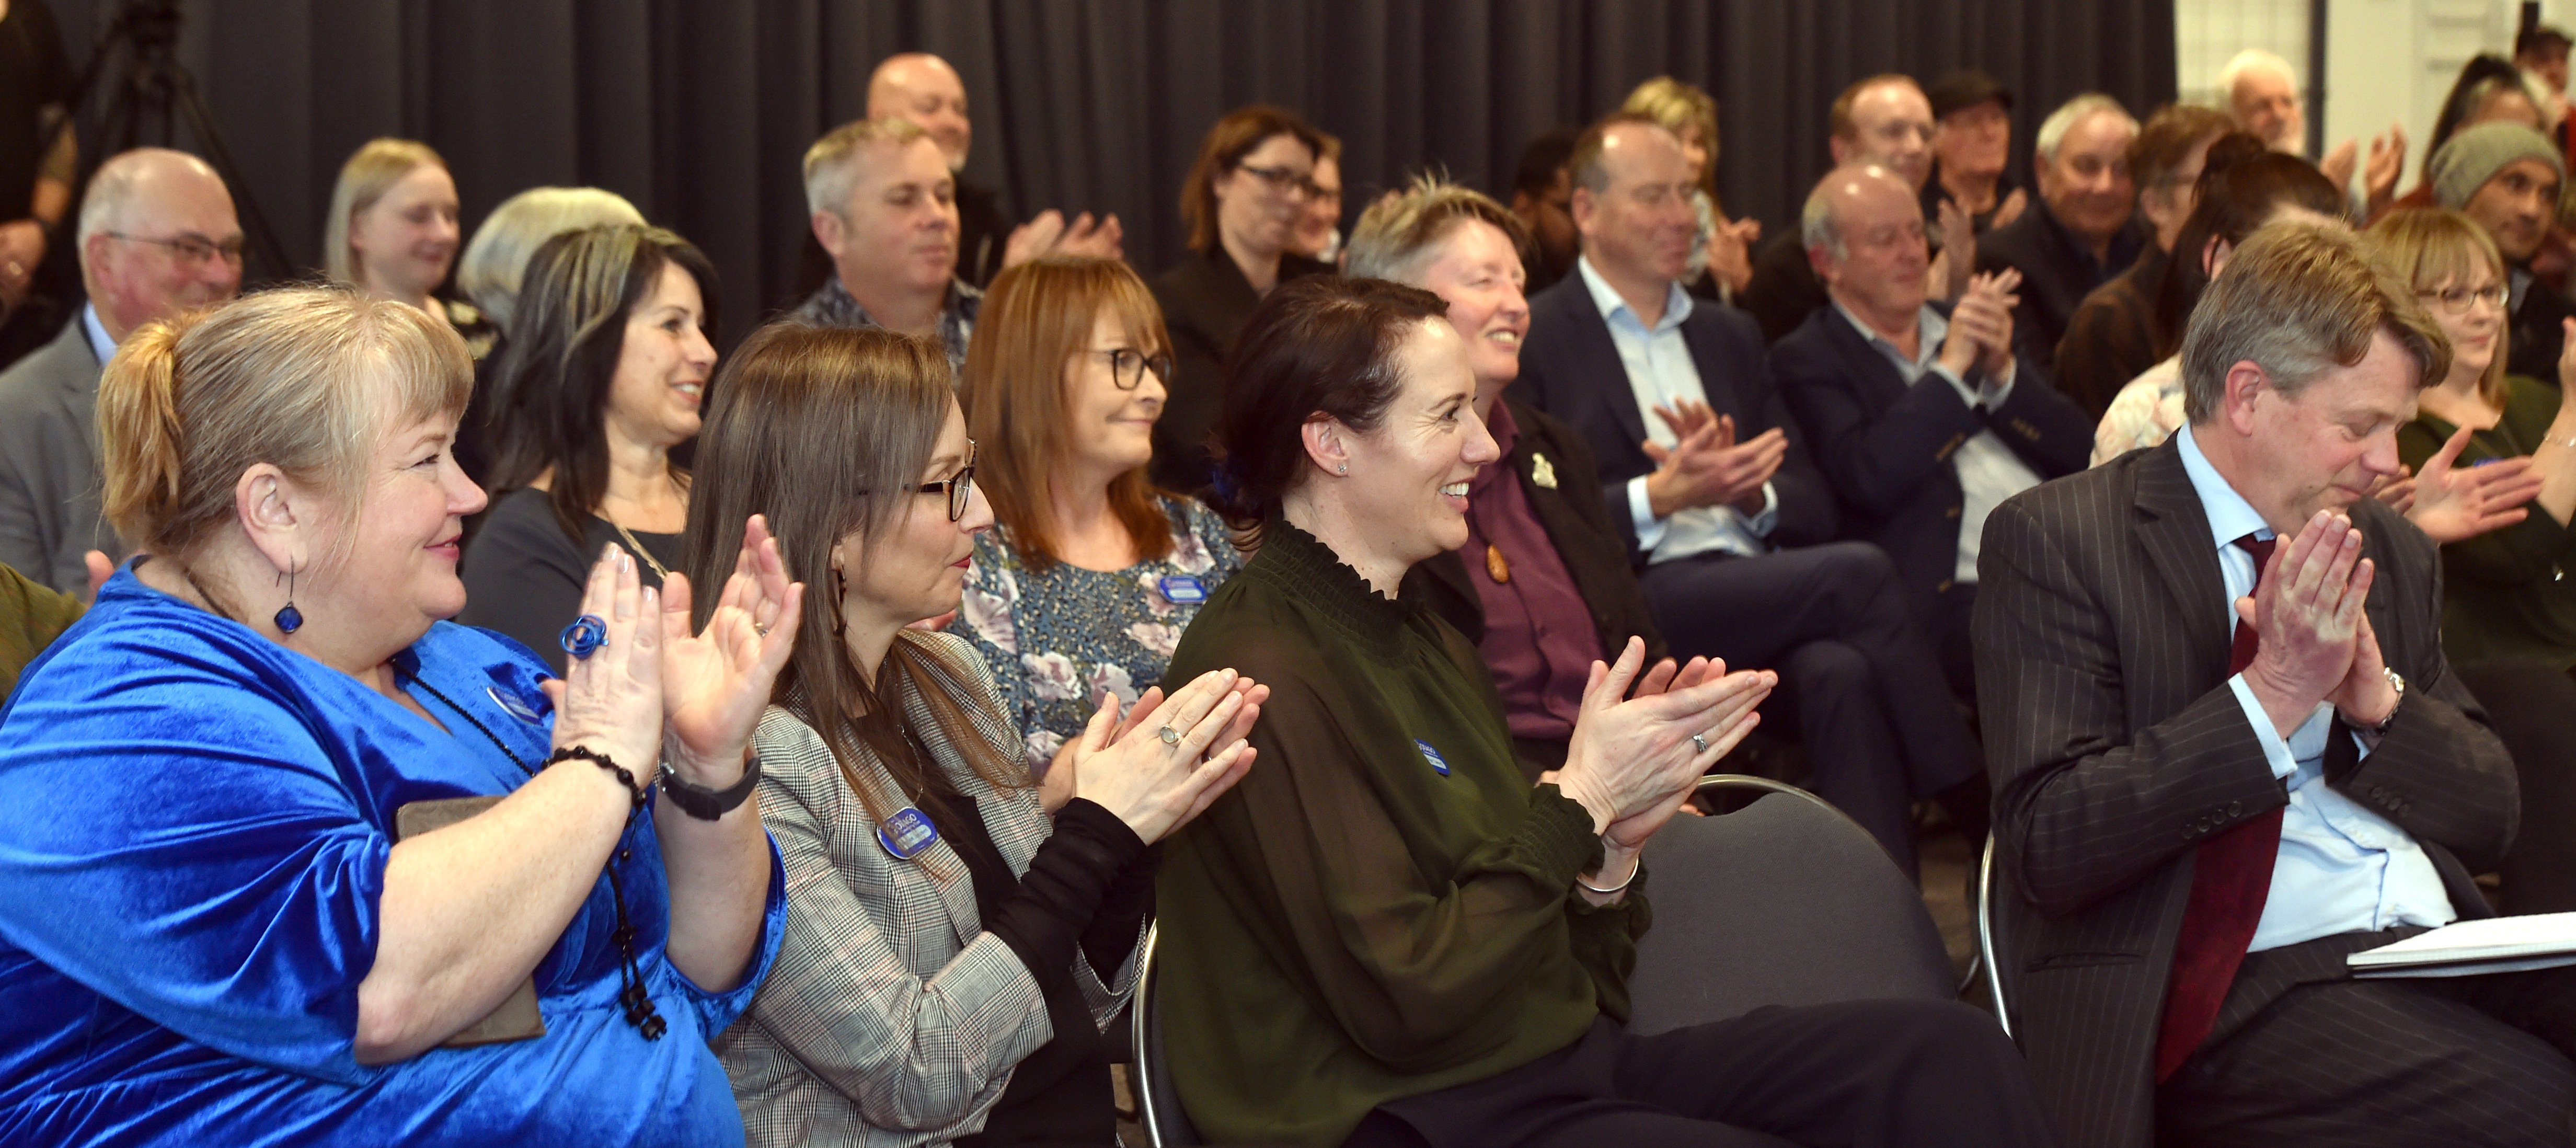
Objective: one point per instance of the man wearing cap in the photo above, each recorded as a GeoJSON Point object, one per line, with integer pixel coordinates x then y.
{"type": "Point", "coordinates": [1883, 120]}
{"type": "Point", "coordinates": [2505, 176]}
{"type": "Point", "coordinates": [1971, 142]}
{"type": "Point", "coordinates": [2080, 232]}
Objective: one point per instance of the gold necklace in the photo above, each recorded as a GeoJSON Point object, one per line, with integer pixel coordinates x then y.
{"type": "Point", "coordinates": [641, 554]}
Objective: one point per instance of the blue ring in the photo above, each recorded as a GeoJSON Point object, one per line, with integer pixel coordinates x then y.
{"type": "Point", "coordinates": [585, 636]}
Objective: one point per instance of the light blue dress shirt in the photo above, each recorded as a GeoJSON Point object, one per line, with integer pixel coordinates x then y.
{"type": "Point", "coordinates": [1660, 373]}
{"type": "Point", "coordinates": [2342, 868]}
{"type": "Point", "coordinates": [1989, 472]}
{"type": "Point", "coordinates": [99, 344]}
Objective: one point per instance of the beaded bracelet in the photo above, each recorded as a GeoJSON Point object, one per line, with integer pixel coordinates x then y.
{"type": "Point", "coordinates": [624, 778]}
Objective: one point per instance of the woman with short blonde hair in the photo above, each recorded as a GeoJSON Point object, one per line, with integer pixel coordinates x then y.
{"type": "Point", "coordinates": [496, 262]}
{"type": "Point", "coordinates": [1083, 589]}
{"type": "Point", "coordinates": [392, 232]}
{"type": "Point", "coordinates": [270, 817]}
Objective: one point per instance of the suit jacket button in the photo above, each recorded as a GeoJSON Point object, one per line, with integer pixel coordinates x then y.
{"type": "Point", "coordinates": [2235, 809]}
{"type": "Point", "coordinates": [1953, 512]}
{"type": "Point", "coordinates": [1944, 587]}
{"type": "Point", "coordinates": [2187, 835]}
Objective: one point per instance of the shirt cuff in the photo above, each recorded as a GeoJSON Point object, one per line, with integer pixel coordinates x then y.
{"type": "Point", "coordinates": [2276, 752]}
{"type": "Point", "coordinates": [1760, 523]}
{"type": "Point", "coordinates": [1641, 511]}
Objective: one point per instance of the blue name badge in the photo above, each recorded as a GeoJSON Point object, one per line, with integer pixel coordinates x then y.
{"type": "Point", "coordinates": [1183, 590]}
{"type": "Point", "coordinates": [1439, 764]}
{"type": "Point", "coordinates": [907, 834]}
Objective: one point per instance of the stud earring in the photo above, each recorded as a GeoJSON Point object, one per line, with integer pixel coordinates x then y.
{"type": "Point", "coordinates": [288, 618]}
{"type": "Point", "coordinates": [1345, 468]}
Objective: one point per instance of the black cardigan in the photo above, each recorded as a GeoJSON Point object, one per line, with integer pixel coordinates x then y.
{"type": "Point", "coordinates": [1205, 301]}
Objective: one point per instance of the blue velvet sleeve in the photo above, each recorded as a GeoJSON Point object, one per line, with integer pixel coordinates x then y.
{"type": "Point", "coordinates": [717, 1011]}
{"type": "Point", "coordinates": [200, 858]}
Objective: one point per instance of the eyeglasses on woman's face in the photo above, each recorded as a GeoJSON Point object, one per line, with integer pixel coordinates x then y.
{"type": "Point", "coordinates": [1127, 366]}
{"type": "Point", "coordinates": [2456, 300]}
{"type": "Point", "coordinates": [1288, 181]}
{"type": "Point", "coordinates": [960, 488]}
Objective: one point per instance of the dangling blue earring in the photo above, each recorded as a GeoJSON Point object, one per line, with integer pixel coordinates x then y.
{"type": "Point", "coordinates": [288, 618]}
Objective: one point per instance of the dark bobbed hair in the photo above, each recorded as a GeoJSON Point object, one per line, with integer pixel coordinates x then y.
{"type": "Point", "coordinates": [1540, 162]}
{"type": "Point", "coordinates": [1235, 136]}
{"type": "Point", "coordinates": [2242, 185]}
{"type": "Point", "coordinates": [550, 394]}
{"type": "Point", "coordinates": [826, 431]}
{"type": "Point", "coordinates": [1321, 345]}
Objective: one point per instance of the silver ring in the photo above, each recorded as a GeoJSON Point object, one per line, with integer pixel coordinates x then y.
{"type": "Point", "coordinates": [1169, 735]}
{"type": "Point", "coordinates": [1700, 740]}
{"type": "Point", "coordinates": [759, 629]}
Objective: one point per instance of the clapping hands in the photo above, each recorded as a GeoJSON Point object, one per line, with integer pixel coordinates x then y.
{"type": "Point", "coordinates": [1707, 466]}
{"type": "Point", "coordinates": [2316, 643]}
{"type": "Point", "coordinates": [1981, 326]}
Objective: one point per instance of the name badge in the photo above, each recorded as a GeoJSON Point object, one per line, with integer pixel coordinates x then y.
{"type": "Point", "coordinates": [907, 834]}
{"type": "Point", "coordinates": [1183, 590]}
{"type": "Point", "coordinates": [1439, 764]}
{"type": "Point", "coordinates": [516, 708]}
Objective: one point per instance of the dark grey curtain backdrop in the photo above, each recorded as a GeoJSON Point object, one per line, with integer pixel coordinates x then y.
{"type": "Point", "coordinates": [698, 110]}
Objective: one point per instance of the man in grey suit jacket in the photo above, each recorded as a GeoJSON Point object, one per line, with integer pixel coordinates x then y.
{"type": "Point", "coordinates": [2212, 788]}
{"type": "Point", "coordinates": [157, 237]}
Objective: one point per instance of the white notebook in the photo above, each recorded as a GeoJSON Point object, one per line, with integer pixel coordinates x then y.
{"type": "Point", "coordinates": [2467, 948]}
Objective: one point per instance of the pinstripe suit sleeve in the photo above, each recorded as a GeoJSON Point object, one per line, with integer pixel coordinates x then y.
{"type": "Point", "coordinates": [911, 1053]}
{"type": "Point", "coordinates": [2083, 809]}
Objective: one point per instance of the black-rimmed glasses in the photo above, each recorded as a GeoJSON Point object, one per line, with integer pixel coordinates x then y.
{"type": "Point", "coordinates": [191, 248]}
{"type": "Point", "coordinates": [1127, 366]}
{"type": "Point", "coordinates": [960, 488]}
{"type": "Point", "coordinates": [1296, 183]}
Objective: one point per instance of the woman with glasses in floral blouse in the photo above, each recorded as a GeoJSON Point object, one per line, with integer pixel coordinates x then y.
{"type": "Point", "coordinates": [1083, 589]}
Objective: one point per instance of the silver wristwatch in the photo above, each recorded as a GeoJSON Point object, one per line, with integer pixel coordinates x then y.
{"type": "Point", "coordinates": [2397, 682]}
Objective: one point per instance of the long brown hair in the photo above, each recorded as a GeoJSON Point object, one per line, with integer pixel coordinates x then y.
{"type": "Point", "coordinates": [1037, 318]}
{"type": "Point", "coordinates": [826, 432]}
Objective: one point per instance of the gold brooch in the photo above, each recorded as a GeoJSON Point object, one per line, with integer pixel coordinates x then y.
{"type": "Point", "coordinates": [1542, 471]}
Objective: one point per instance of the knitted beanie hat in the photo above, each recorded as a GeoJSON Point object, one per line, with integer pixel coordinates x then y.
{"type": "Point", "coordinates": [2473, 156]}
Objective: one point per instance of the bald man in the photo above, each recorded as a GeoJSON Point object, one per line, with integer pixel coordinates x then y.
{"type": "Point", "coordinates": [1921, 415]}
{"type": "Point", "coordinates": [157, 236]}
{"type": "Point", "coordinates": [924, 89]}
{"type": "Point", "coordinates": [1884, 120]}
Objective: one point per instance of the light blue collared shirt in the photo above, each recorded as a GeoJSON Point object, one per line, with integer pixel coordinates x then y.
{"type": "Point", "coordinates": [1989, 472]}
{"type": "Point", "coordinates": [99, 344]}
{"type": "Point", "coordinates": [2342, 868]}
{"type": "Point", "coordinates": [1660, 373]}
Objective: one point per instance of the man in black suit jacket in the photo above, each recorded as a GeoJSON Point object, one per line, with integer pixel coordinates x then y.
{"type": "Point", "coordinates": [2080, 231]}
{"type": "Point", "coordinates": [2196, 829]}
{"type": "Point", "coordinates": [1922, 416]}
{"type": "Point", "coordinates": [1706, 497]}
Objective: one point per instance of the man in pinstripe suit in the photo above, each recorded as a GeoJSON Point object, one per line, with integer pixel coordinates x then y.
{"type": "Point", "coordinates": [2221, 767]}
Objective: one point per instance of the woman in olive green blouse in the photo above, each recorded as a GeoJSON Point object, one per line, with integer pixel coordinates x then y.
{"type": "Point", "coordinates": [2505, 596]}
{"type": "Point", "coordinates": [1386, 935]}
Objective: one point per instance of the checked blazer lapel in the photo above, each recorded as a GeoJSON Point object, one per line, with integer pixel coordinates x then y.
{"type": "Point", "coordinates": [2174, 530]}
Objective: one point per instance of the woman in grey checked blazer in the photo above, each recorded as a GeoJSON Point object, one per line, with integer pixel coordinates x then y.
{"type": "Point", "coordinates": [955, 937]}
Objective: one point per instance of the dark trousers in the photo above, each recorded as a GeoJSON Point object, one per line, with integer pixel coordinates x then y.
{"type": "Point", "coordinates": [1872, 704]}
{"type": "Point", "coordinates": [2533, 709]}
{"type": "Point", "coordinates": [2429, 1061]}
{"type": "Point", "coordinates": [1859, 1073]}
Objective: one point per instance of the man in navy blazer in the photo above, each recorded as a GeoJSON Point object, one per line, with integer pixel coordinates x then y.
{"type": "Point", "coordinates": [1923, 415]}
{"type": "Point", "coordinates": [1726, 519]}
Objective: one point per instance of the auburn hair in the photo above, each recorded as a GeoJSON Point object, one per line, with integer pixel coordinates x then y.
{"type": "Point", "coordinates": [1036, 323]}
{"type": "Point", "coordinates": [1234, 137]}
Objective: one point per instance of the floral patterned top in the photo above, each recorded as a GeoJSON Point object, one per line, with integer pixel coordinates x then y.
{"type": "Point", "coordinates": [1057, 640]}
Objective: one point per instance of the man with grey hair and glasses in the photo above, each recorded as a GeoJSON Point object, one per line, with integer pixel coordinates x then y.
{"type": "Point", "coordinates": [157, 237]}
{"type": "Point", "coordinates": [2079, 234]}
{"type": "Point", "coordinates": [2228, 753]}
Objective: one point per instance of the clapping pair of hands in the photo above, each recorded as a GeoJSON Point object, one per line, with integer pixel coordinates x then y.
{"type": "Point", "coordinates": [1632, 762]}
{"type": "Point", "coordinates": [657, 689]}
{"type": "Point", "coordinates": [2315, 639]}
{"type": "Point", "coordinates": [1981, 326]}
{"type": "Point", "coordinates": [1153, 785]}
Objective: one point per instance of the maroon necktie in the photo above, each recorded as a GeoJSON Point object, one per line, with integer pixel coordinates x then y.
{"type": "Point", "coordinates": [2229, 881]}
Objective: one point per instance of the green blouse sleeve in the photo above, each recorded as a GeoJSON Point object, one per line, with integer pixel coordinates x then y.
{"type": "Point", "coordinates": [31, 617]}
{"type": "Point", "coordinates": [1421, 974]}
{"type": "Point", "coordinates": [2525, 552]}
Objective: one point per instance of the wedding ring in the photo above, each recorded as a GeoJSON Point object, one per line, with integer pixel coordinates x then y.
{"type": "Point", "coordinates": [1169, 735]}
{"type": "Point", "coordinates": [1700, 740]}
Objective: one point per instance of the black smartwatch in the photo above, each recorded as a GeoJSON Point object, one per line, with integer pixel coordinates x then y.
{"type": "Point", "coordinates": [712, 804]}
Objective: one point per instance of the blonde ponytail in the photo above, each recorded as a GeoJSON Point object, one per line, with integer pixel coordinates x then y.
{"type": "Point", "coordinates": [138, 422]}
{"type": "Point", "coordinates": [306, 379]}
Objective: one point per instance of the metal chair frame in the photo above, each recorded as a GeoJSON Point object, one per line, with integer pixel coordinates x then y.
{"type": "Point", "coordinates": [1986, 954]}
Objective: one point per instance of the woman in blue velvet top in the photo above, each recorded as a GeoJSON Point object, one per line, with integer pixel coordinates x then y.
{"type": "Point", "coordinates": [211, 934]}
